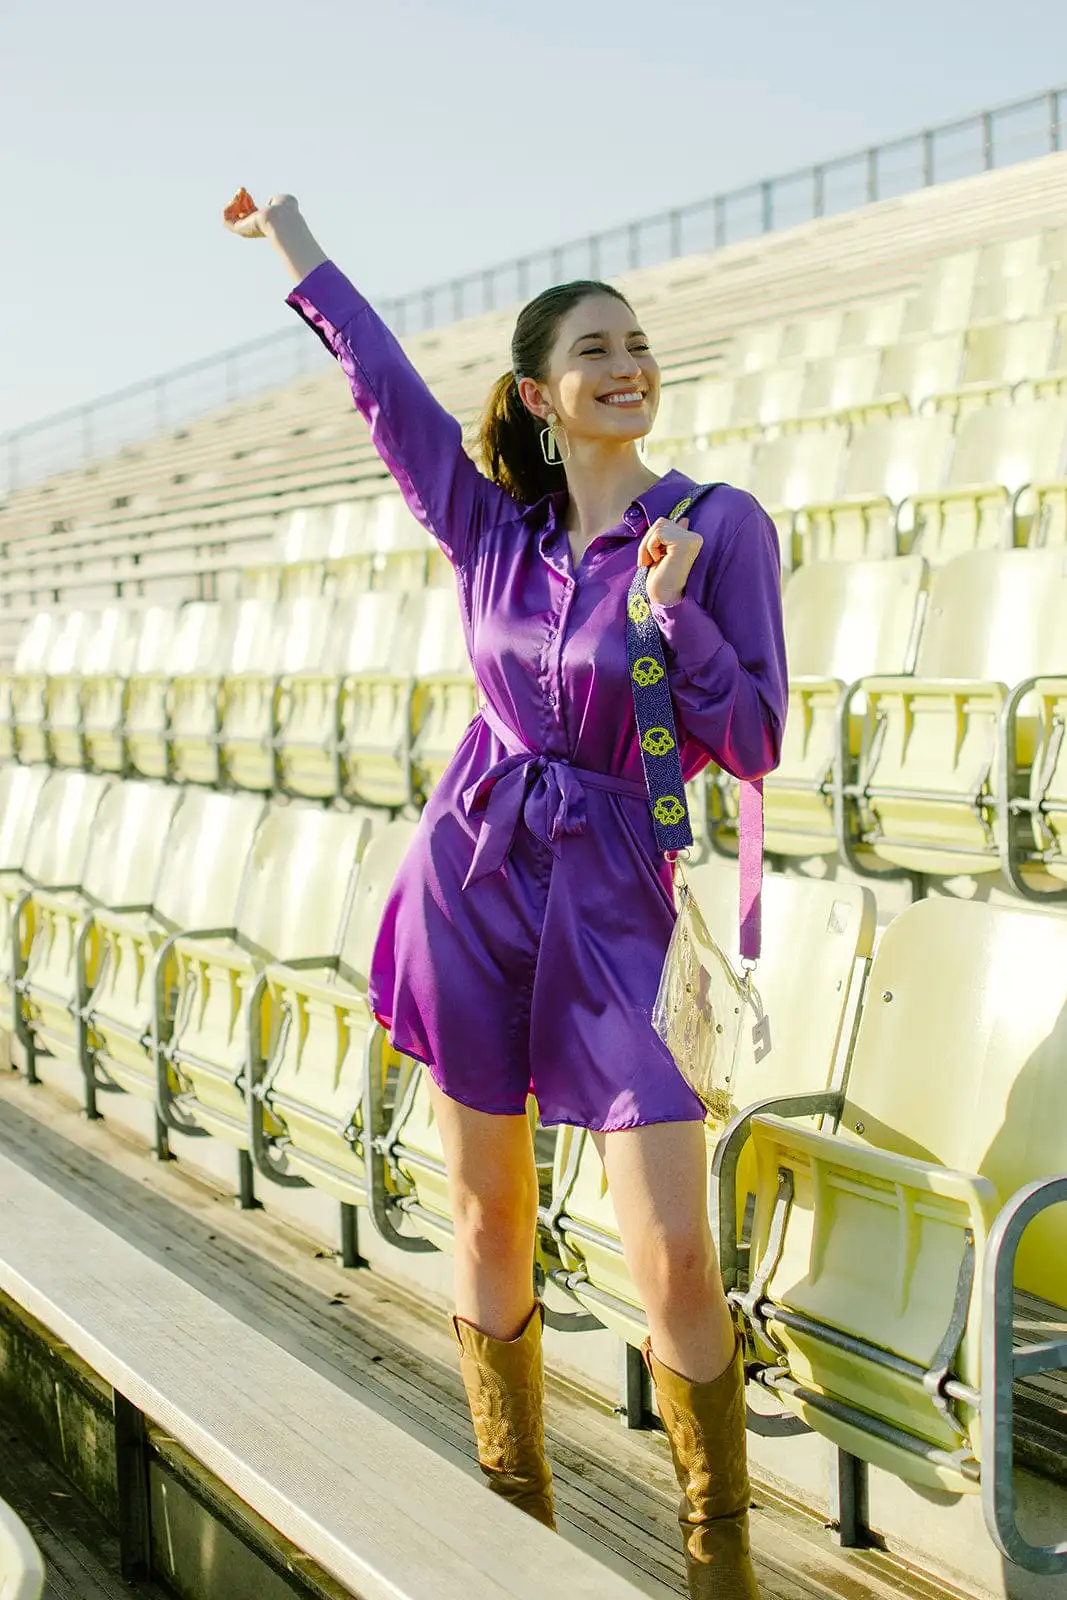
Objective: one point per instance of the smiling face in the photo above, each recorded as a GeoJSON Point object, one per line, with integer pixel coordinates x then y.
{"type": "Point", "coordinates": [602, 381]}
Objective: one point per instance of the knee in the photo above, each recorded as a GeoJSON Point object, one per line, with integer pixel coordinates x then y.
{"type": "Point", "coordinates": [677, 1269]}
{"type": "Point", "coordinates": [495, 1221]}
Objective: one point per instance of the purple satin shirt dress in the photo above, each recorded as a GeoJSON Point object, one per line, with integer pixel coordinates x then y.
{"type": "Point", "coordinates": [522, 942]}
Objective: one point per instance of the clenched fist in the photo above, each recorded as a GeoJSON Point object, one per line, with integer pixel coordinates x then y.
{"type": "Point", "coordinates": [669, 548]}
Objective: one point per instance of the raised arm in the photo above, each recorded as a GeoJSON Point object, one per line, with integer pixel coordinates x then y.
{"type": "Point", "coordinates": [419, 441]}
{"type": "Point", "coordinates": [725, 648]}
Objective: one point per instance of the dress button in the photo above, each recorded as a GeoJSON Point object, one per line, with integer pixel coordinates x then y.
{"type": "Point", "coordinates": [552, 701]}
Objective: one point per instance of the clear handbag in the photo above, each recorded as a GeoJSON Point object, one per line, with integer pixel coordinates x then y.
{"type": "Point", "coordinates": [705, 1008]}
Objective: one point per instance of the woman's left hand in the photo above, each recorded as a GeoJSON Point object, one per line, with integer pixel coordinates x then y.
{"type": "Point", "coordinates": [669, 548]}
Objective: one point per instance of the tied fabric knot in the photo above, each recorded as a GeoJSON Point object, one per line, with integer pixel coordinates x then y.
{"type": "Point", "coordinates": [542, 791]}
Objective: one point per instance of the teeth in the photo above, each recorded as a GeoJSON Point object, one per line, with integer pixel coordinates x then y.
{"type": "Point", "coordinates": [621, 399]}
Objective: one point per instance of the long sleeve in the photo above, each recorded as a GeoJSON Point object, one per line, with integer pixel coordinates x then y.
{"type": "Point", "coordinates": [725, 648]}
{"type": "Point", "coordinates": [418, 440]}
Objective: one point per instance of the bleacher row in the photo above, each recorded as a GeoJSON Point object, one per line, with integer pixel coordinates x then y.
{"type": "Point", "coordinates": [207, 952]}
{"type": "Point", "coordinates": [924, 735]}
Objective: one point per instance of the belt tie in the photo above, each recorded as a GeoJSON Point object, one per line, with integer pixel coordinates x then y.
{"type": "Point", "coordinates": [545, 792]}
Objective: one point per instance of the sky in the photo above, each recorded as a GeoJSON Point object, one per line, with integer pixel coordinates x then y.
{"type": "Point", "coordinates": [422, 140]}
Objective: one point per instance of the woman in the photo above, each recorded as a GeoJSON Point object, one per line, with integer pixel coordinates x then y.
{"type": "Point", "coordinates": [523, 940]}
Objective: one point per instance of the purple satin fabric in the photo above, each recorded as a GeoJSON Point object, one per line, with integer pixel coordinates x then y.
{"type": "Point", "coordinates": [522, 942]}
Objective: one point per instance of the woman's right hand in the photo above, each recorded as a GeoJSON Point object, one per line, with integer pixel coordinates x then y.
{"type": "Point", "coordinates": [260, 223]}
{"type": "Point", "coordinates": [280, 222]}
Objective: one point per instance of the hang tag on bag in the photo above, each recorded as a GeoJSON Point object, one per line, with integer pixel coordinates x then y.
{"type": "Point", "coordinates": [705, 1009]}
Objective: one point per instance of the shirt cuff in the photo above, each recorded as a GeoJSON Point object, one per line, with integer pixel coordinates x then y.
{"type": "Point", "coordinates": [326, 296]}
{"type": "Point", "coordinates": [691, 636]}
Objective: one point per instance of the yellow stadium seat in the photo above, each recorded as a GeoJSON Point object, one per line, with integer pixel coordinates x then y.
{"type": "Point", "coordinates": [55, 856]}
{"type": "Point", "coordinates": [20, 790]}
{"type": "Point", "coordinates": [109, 660]}
{"type": "Point", "coordinates": [843, 621]}
{"type": "Point", "coordinates": [872, 323]}
{"type": "Point", "coordinates": [298, 563]}
{"type": "Point", "coordinates": [888, 462]}
{"type": "Point", "coordinates": [201, 875]}
{"type": "Point", "coordinates": [1036, 811]}
{"type": "Point", "coordinates": [241, 641]}
{"type": "Point", "coordinates": [943, 299]}
{"type": "Point", "coordinates": [22, 687]}
{"type": "Point", "coordinates": [365, 634]}
{"type": "Point", "coordinates": [997, 358]}
{"type": "Point", "coordinates": [293, 908]}
{"type": "Point", "coordinates": [62, 692]}
{"type": "Point", "coordinates": [846, 388]}
{"type": "Point", "coordinates": [176, 644]}
{"type": "Point", "coordinates": [22, 1570]}
{"type": "Point", "coordinates": [126, 848]}
{"type": "Point", "coordinates": [876, 1294]}
{"type": "Point", "coordinates": [761, 401]}
{"type": "Point", "coordinates": [756, 347]}
{"type": "Point", "coordinates": [928, 771]}
{"type": "Point", "coordinates": [817, 940]}
{"type": "Point", "coordinates": [400, 545]}
{"type": "Point", "coordinates": [795, 470]}
{"type": "Point", "coordinates": [444, 701]}
{"type": "Point", "coordinates": [724, 463]}
{"type": "Point", "coordinates": [380, 708]}
{"type": "Point", "coordinates": [911, 372]}
{"type": "Point", "coordinates": [302, 640]}
{"type": "Point", "coordinates": [999, 451]}
{"type": "Point", "coordinates": [350, 554]}
{"type": "Point", "coordinates": [306, 1096]}
{"type": "Point", "coordinates": [814, 337]}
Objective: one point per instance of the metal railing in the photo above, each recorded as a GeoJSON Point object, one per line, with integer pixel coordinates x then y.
{"type": "Point", "coordinates": [1001, 137]}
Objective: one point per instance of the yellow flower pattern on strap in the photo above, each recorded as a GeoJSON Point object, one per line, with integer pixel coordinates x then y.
{"type": "Point", "coordinates": [647, 671]}
{"type": "Point", "coordinates": [669, 810]}
{"type": "Point", "coordinates": [657, 742]}
{"type": "Point", "coordinates": [639, 609]}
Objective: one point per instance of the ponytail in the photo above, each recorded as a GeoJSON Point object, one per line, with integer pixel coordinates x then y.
{"type": "Point", "coordinates": [510, 435]}
{"type": "Point", "coordinates": [510, 444]}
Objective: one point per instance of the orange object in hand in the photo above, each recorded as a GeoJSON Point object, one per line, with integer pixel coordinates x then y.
{"type": "Point", "coordinates": [242, 205]}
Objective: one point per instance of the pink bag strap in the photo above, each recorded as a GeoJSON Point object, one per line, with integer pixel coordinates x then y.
{"type": "Point", "coordinates": [750, 865]}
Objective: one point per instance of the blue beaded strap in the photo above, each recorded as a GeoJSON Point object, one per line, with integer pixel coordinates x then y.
{"type": "Point", "coordinates": [653, 708]}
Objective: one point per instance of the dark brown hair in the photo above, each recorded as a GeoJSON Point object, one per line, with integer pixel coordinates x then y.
{"type": "Point", "coordinates": [510, 436]}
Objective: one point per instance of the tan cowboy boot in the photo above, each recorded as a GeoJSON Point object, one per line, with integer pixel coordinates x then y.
{"type": "Point", "coordinates": [504, 1380]}
{"type": "Point", "coordinates": [705, 1424]}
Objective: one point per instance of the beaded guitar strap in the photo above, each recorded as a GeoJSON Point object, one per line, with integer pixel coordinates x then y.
{"type": "Point", "coordinates": [661, 758]}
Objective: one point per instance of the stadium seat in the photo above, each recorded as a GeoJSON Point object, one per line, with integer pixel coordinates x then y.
{"type": "Point", "coordinates": [349, 554]}
{"type": "Point", "coordinates": [20, 791]}
{"type": "Point", "coordinates": [60, 688]}
{"type": "Point", "coordinates": [888, 462]}
{"type": "Point", "coordinates": [843, 621]}
{"type": "Point", "coordinates": [110, 664]}
{"type": "Point", "coordinates": [996, 359]}
{"type": "Point", "coordinates": [92, 695]}
{"type": "Point", "coordinates": [126, 847]}
{"type": "Point", "coordinates": [292, 909]}
{"type": "Point", "coordinates": [239, 640]}
{"type": "Point", "coordinates": [55, 858]}
{"type": "Point", "coordinates": [306, 1095]}
{"type": "Point", "coordinates": [872, 324]}
{"type": "Point", "coordinates": [22, 688]}
{"type": "Point", "coordinates": [814, 337]}
{"type": "Point", "coordinates": [795, 470]}
{"type": "Point", "coordinates": [380, 708]}
{"type": "Point", "coordinates": [180, 645]}
{"type": "Point", "coordinates": [756, 348]}
{"type": "Point", "coordinates": [817, 941]}
{"type": "Point", "coordinates": [400, 545]}
{"type": "Point", "coordinates": [1000, 451]}
{"type": "Point", "coordinates": [876, 1294]}
{"type": "Point", "coordinates": [910, 373]}
{"type": "Point", "coordinates": [301, 640]}
{"type": "Point", "coordinates": [1035, 811]}
{"type": "Point", "coordinates": [942, 301]}
{"type": "Point", "coordinates": [846, 388]}
{"type": "Point", "coordinates": [928, 771]}
{"type": "Point", "coordinates": [366, 634]}
{"type": "Point", "coordinates": [201, 875]}
{"type": "Point", "coordinates": [22, 1571]}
